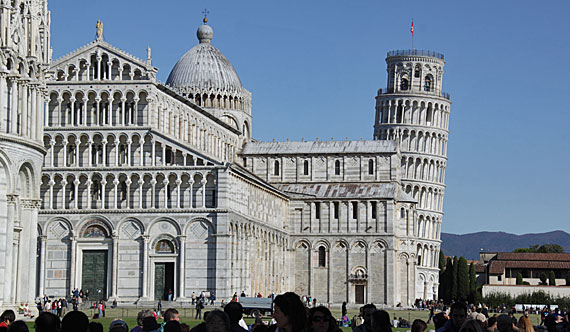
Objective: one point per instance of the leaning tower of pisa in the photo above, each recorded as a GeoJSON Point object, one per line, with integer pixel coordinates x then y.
{"type": "Point", "coordinates": [414, 111]}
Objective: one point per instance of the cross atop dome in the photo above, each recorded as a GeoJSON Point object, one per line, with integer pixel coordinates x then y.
{"type": "Point", "coordinates": [205, 12]}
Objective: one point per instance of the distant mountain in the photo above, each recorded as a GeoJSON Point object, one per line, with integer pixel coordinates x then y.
{"type": "Point", "coordinates": [469, 245]}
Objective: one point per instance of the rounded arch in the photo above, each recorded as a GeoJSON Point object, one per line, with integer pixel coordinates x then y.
{"type": "Point", "coordinates": [168, 220]}
{"type": "Point", "coordinates": [129, 219]}
{"type": "Point", "coordinates": [95, 220]}
{"type": "Point", "coordinates": [302, 244]}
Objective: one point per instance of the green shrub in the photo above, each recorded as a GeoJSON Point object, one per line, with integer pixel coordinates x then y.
{"type": "Point", "coordinates": [519, 279]}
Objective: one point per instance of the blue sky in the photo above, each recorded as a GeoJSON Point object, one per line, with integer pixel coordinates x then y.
{"type": "Point", "coordinates": [314, 67]}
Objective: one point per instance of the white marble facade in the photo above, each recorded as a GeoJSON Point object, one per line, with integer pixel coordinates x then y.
{"type": "Point", "coordinates": [148, 186]}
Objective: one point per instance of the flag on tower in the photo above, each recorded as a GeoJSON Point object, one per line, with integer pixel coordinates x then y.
{"type": "Point", "coordinates": [412, 28]}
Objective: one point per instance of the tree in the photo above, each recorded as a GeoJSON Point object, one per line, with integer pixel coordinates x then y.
{"type": "Point", "coordinates": [462, 280]}
{"type": "Point", "coordinates": [542, 277]}
{"type": "Point", "coordinates": [531, 248]}
{"type": "Point", "coordinates": [445, 283]}
{"type": "Point", "coordinates": [472, 298]}
{"type": "Point", "coordinates": [441, 261]}
{"type": "Point", "coordinates": [568, 279]}
{"type": "Point", "coordinates": [551, 248]}
{"type": "Point", "coordinates": [441, 287]}
{"type": "Point", "coordinates": [519, 279]}
{"type": "Point", "coordinates": [454, 278]}
{"type": "Point", "coordinates": [552, 279]}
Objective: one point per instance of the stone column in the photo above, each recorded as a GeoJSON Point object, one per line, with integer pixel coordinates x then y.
{"type": "Point", "coordinates": [165, 183]}
{"type": "Point", "coordinates": [72, 110]}
{"type": "Point", "coordinates": [203, 183]}
{"type": "Point", "coordinates": [51, 151]}
{"type": "Point", "coordinates": [89, 198]}
{"type": "Point", "coordinates": [11, 215]}
{"type": "Point", "coordinates": [77, 142]}
{"type": "Point", "coordinates": [98, 112]}
{"type": "Point", "coordinates": [191, 184]}
{"type": "Point", "coordinates": [182, 267]}
{"type": "Point", "coordinates": [76, 194]}
{"type": "Point", "coordinates": [90, 156]}
{"type": "Point", "coordinates": [3, 108]}
{"type": "Point", "coordinates": [116, 145]}
{"type": "Point", "coordinates": [115, 271]}
{"type": "Point", "coordinates": [141, 153]}
{"type": "Point", "coordinates": [129, 143]}
{"type": "Point", "coordinates": [103, 193]}
{"type": "Point", "coordinates": [73, 260]}
{"type": "Point", "coordinates": [24, 119]}
{"type": "Point", "coordinates": [163, 154]}
{"type": "Point", "coordinates": [104, 161]}
{"type": "Point", "coordinates": [178, 182]}
{"type": "Point", "coordinates": [153, 153]}
{"type": "Point", "coordinates": [153, 198]}
{"type": "Point", "coordinates": [65, 153]}
{"type": "Point", "coordinates": [116, 184]}
{"type": "Point", "coordinates": [61, 112]}
{"type": "Point", "coordinates": [140, 183]}
{"type": "Point", "coordinates": [330, 273]}
{"type": "Point", "coordinates": [123, 114]}
{"type": "Point", "coordinates": [128, 182]}
{"type": "Point", "coordinates": [135, 112]}
{"type": "Point", "coordinates": [42, 267]}
{"type": "Point", "coordinates": [51, 183]}
{"type": "Point", "coordinates": [145, 276]}
{"type": "Point", "coordinates": [13, 105]}
{"type": "Point", "coordinates": [64, 195]}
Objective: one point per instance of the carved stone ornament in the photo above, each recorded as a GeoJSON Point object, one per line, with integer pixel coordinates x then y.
{"type": "Point", "coordinates": [30, 203]}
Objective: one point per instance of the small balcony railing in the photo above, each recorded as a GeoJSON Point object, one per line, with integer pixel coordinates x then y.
{"type": "Point", "coordinates": [386, 91]}
{"type": "Point", "coordinates": [416, 52]}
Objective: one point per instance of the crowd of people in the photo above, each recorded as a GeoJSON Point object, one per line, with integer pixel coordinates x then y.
{"type": "Point", "coordinates": [291, 313]}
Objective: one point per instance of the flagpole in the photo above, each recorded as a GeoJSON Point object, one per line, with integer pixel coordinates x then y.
{"type": "Point", "coordinates": [412, 30]}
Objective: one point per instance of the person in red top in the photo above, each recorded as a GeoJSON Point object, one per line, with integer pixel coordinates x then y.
{"type": "Point", "coordinates": [7, 318]}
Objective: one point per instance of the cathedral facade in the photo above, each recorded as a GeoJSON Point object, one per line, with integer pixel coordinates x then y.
{"type": "Point", "coordinates": [149, 189]}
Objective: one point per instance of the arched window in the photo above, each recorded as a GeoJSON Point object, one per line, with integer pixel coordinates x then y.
{"type": "Point", "coordinates": [306, 167]}
{"type": "Point", "coordinates": [404, 84]}
{"type": "Point", "coordinates": [322, 256]}
{"type": "Point", "coordinates": [276, 168]}
{"type": "Point", "coordinates": [337, 167]}
{"type": "Point", "coordinates": [417, 72]}
{"type": "Point", "coordinates": [370, 166]}
{"type": "Point", "coordinates": [427, 83]}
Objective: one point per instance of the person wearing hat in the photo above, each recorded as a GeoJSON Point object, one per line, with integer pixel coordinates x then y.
{"type": "Point", "coordinates": [150, 325]}
{"type": "Point", "coordinates": [458, 314]}
{"type": "Point", "coordinates": [504, 323]}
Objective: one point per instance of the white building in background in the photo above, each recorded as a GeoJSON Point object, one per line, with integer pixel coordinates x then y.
{"type": "Point", "coordinates": [24, 56]}
{"type": "Point", "coordinates": [149, 188]}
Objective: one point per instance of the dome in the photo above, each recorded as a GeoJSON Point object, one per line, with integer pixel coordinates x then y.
{"type": "Point", "coordinates": [204, 68]}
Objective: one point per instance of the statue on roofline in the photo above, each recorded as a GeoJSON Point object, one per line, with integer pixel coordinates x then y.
{"type": "Point", "coordinates": [99, 30]}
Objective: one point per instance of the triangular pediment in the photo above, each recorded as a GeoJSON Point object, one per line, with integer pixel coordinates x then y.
{"type": "Point", "coordinates": [101, 51]}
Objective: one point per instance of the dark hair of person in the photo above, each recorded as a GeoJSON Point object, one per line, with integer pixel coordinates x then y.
{"type": "Point", "coordinates": [170, 314]}
{"type": "Point", "coordinates": [417, 326]}
{"type": "Point", "coordinates": [439, 320]}
{"type": "Point", "coordinates": [171, 326]}
{"type": "Point", "coordinates": [75, 321]}
{"type": "Point", "coordinates": [458, 306]}
{"type": "Point", "coordinates": [142, 315]}
{"type": "Point", "coordinates": [327, 313]}
{"type": "Point", "coordinates": [95, 327]}
{"type": "Point", "coordinates": [217, 313]}
{"type": "Point", "coordinates": [381, 318]}
{"type": "Point", "coordinates": [47, 322]}
{"type": "Point", "coordinates": [291, 305]}
{"type": "Point", "coordinates": [368, 306]}
{"type": "Point", "coordinates": [259, 328]}
{"type": "Point", "coordinates": [205, 316]}
{"type": "Point", "coordinates": [234, 311]}
{"type": "Point", "coordinates": [18, 326]}
{"type": "Point", "coordinates": [184, 327]}
{"type": "Point", "coordinates": [491, 321]}
{"type": "Point", "coordinates": [8, 315]}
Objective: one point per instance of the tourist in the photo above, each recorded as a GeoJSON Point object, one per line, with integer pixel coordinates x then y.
{"type": "Point", "coordinates": [75, 321]}
{"type": "Point", "coordinates": [234, 310]}
{"type": "Point", "coordinates": [170, 315]}
{"type": "Point", "coordinates": [440, 319]}
{"type": "Point", "coordinates": [379, 322]}
{"type": "Point", "coordinates": [470, 325]}
{"type": "Point", "coordinates": [419, 325]}
{"type": "Point", "coordinates": [199, 307]}
{"type": "Point", "coordinates": [118, 325]}
{"type": "Point", "coordinates": [366, 312]}
{"type": "Point", "coordinates": [170, 295]}
{"type": "Point", "coordinates": [343, 309]}
{"type": "Point", "coordinates": [47, 322]}
{"type": "Point", "coordinates": [505, 323]}
{"type": "Point", "coordinates": [100, 309]}
{"type": "Point", "coordinates": [212, 298]}
{"type": "Point", "coordinates": [217, 321]}
{"type": "Point", "coordinates": [289, 313]}
{"type": "Point", "coordinates": [150, 325]}
{"type": "Point", "coordinates": [172, 326]}
{"type": "Point", "coordinates": [321, 320]}
{"type": "Point", "coordinates": [184, 327]}
{"type": "Point", "coordinates": [95, 327]}
{"type": "Point", "coordinates": [492, 324]}
{"type": "Point", "coordinates": [140, 317]}
{"type": "Point", "coordinates": [18, 326]}
{"type": "Point", "coordinates": [193, 298]}
{"type": "Point", "coordinates": [7, 318]}
{"type": "Point", "coordinates": [524, 324]}
{"type": "Point", "coordinates": [458, 314]}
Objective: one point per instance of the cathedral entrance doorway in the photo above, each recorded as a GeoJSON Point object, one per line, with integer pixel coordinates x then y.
{"type": "Point", "coordinates": [359, 294]}
{"type": "Point", "coordinates": [94, 274]}
{"type": "Point", "coordinates": [163, 280]}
